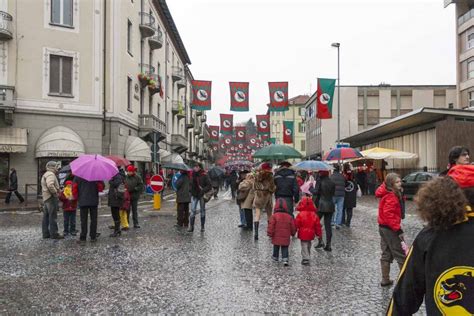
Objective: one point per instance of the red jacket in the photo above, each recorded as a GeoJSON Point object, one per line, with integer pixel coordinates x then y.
{"type": "Point", "coordinates": [390, 210]}
{"type": "Point", "coordinates": [300, 181]}
{"type": "Point", "coordinates": [307, 222]}
{"type": "Point", "coordinates": [69, 205]}
{"type": "Point", "coordinates": [281, 228]}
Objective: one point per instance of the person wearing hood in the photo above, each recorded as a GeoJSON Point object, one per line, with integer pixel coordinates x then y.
{"type": "Point", "coordinates": [308, 226]}
{"type": "Point", "coordinates": [439, 268]}
{"type": "Point", "coordinates": [50, 192]}
{"type": "Point", "coordinates": [280, 228]}
{"type": "Point", "coordinates": [390, 219]}
{"type": "Point", "coordinates": [286, 185]}
{"type": "Point", "coordinates": [183, 198]}
{"type": "Point", "coordinates": [13, 187]}
{"type": "Point", "coordinates": [135, 188]}
{"type": "Point", "coordinates": [264, 187]}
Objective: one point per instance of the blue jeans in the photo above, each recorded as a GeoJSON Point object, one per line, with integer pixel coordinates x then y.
{"type": "Point", "coordinates": [202, 207]}
{"type": "Point", "coordinates": [50, 217]}
{"type": "Point", "coordinates": [284, 252]}
{"type": "Point", "coordinates": [339, 203]}
{"type": "Point", "coordinates": [69, 221]}
{"type": "Point", "coordinates": [242, 216]}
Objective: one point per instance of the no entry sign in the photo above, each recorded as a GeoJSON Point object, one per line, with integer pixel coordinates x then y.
{"type": "Point", "coordinates": [156, 183]}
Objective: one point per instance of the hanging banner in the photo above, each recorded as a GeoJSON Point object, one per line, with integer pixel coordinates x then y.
{"type": "Point", "coordinates": [253, 141]}
{"type": "Point", "coordinates": [201, 95]}
{"type": "Point", "coordinates": [227, 124]}
{"type": "Point", "coordinates": [213, 133]}
{"type": "Point", "coordinates": [239, 96]}
{"type": "Point", "coordinates": [272, 140]}
{"type": "Point", "coordinates": [324, 97]}
{"type": "Point", "coordinates": [241, 147]}
{"type": "Point", "coordinates": [263, 124]}
{"type": "Point", "coordinates": [264, 137]}
{"type": "Point", "coordinates": [278, 96]}
{"type": "Point", "coordinates": [228, 141]}
{"type": "Point", "coordinates": [288, 132]}
{"type": "Point", "coordinates": [240, 133]}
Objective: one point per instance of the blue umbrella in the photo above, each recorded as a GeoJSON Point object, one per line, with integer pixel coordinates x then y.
{"type": "Point", "coordinates": [312, 165]}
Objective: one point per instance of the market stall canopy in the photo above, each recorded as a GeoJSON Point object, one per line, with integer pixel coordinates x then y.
{"type": "Point", "coordinates": [385, 153]}
{"type": "Point", "coordinates": [136, 149]}
{"type": "Point", "coordinates": [59, 141]}
{"type": "Point", "coordinates": [13, 140]}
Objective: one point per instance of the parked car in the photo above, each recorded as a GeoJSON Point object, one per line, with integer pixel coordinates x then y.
{"type": "Point", "coordinates": [412, 182]}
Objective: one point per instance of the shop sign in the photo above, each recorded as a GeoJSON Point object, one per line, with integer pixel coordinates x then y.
{"type": "Point", "coordinates": [12, 149]}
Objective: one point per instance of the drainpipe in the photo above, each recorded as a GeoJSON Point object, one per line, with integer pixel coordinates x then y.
{"type": "Point", "coordinates": [104, 110]}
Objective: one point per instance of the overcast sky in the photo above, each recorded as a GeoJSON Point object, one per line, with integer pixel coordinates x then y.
{"type": "Point", "coordinates": [396, 42]}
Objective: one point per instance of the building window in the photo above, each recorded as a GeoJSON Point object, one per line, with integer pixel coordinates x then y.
{"type": "Point", "coordinates": [158, 110]}
{"type": "Point", "coordinates": [129, 94]}
{"type": "Point", "coordinates": [62, 12]}
{"type": "Point", "coordinates": [470, 69]}
{"type": "Point", "coordinates": [470, 40]}
{"type": "Point", "coordinates": [301, 127]}
{"type": "Point", "coordinates": [167, 53]}
{"type": "Point", "coordinates": [129, 37]}
{"type": "Point", "coordinates": [303, 145]}
{"type": "Point", "coordinates": [60, 80]}
{"type": "Point", "coordinates": [302, 111]}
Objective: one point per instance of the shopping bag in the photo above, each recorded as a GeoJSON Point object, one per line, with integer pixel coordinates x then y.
{"type": "Point", "coordinates": [123, 219]}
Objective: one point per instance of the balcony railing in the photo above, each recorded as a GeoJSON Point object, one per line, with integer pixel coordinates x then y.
{"type": "Point", "coordinates": [147, 24]}
{"type": "Point", "coordinates": [179, 143]}
{"type": "Point", "coordinates": [466, 17]}
{"type": "Point", "coordinates": [178, 73]}
{"type": "Point", "coordinates": [199, 113]}
{"type": "Point", "coordinates": [151, 122]}
{"type": "Point", "coordinates": [147, 69]}
{"type": "Point", "coordinates": [203, 118]}
{"type": "Point", "coordinates": [6, 32]}
{"type": "Point", "coordinates": [156, 41]}
{"type": "Point", "coordinates": [197, 130]}
{"type": "Point", "coordinates": [177, 107]}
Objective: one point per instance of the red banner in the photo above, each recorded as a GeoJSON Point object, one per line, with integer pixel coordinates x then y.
{"type": "Point", "coordinates": [228, 141]}
{"type": "Point", "coordinates": [264, 137]}
{"type": "Point", "coordinates": [278, 96]}
{"type": "Point", "coordinates": [201, 95]}
{"type": "Point", "coordinates": [240, 133]}
{"type": "Point", "coordinates": [253, 141]}
{"type": "Point", "coordinates": [214, 133]}
{"type": "Point", "coordinates": [263, 124]}
{"type": "Point", "coordinates": [227, 124]}
{"type": "Point", "coordinates": [239, 96]}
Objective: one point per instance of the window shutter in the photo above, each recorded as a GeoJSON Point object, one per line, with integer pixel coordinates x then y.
{"type": "Point", "coordinates": [66, 75]}
{"type": "Point", "coordinates": [54, 74]}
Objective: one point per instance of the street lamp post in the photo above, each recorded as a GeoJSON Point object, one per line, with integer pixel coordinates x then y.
{"type": "Point", "coordinates": [338, 45]}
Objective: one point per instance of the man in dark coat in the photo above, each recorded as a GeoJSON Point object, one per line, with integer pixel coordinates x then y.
{"type": "Point", "coordinates": [13, 188]}
{"type": "Point", "coordinates": [88, 201]}
{"type": "Point", "coordinates": [233, 183]}
{"type": "Point", "coordinates": [183, 197]}
{"type": "Point", "coordinates": [287, 186]}
{"type": "Point", "coordinates": [116, 198]}
{"type": "Point", "coordinates": [324, 192]}
{"type": "Point", "coordinates": [199, 186]}
{"type": "Point", "coordinates": [135, 187]}
{"type": "Point", "coordinates": [339, 195]}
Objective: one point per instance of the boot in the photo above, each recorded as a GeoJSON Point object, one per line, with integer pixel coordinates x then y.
{"type": "Point", "coordinates": [320, 244]}
{"type": "Point", "coordinates": [385, 266]}
{"type": "Point", "coordinates": [117, 231]}
{"type": "Point", "coordinates": [328, 246]}
{"type": "Point", "coordinates": [255, 225]}
{"type": "Point", "coordinates": [203, 222]}
{"type": "Point", "coordinates": [191, 225]}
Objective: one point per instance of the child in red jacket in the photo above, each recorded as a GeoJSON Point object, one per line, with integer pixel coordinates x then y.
{"type": "Point", "coordinates": [308, 225]}
{"type": "Point", "coordinates": [69, 198]}
{"type": "Point", "coordinates": [280, 229]}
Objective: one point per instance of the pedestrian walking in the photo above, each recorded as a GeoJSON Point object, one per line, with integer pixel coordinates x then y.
{"type": "Point", "coordinates": [371, 181]}
{"type": "Point", "coordinates": [183, 198]}
{"type": "Point", "coordinates": [69, 199]}
{"type": "Point", "coordinates": [233, 183]}
{"type": "Point", "coordinates": [439, 268]}
{"type": "Point", "coordinates": [50, 192]}
{"type": "Point", "coordinates": [200, 185]}
{"type": "Point", "coordinates": [324, 191]}
{"type": "Point", "coordinates": [339, 195]}
{"type": "Point", "coordinates": [13, 187]}
{"type": "Point", "coordinates": [242, 194]}
{"type": "Point", "coordinates": [245, 198]}
{"type": "Point", "coordinates": [264, 188]}
{"type": "Point", "coordinates": [115, 201]}
{"type": "Point", "coordinates": [280, 229]}
{"type": "Point", "coordinates": [135, 188]}
{"type": "Point", "coordinates": [308, 226]}
{"type": "Point", "coordinates": [215, 184]}
{"type": "Point", "coordinates": [88, 201]}
{"type": "Point", "coordinates": [350, 198]}
{"type": "Point", "coordinates": [389, 219]}
{"type": "Point", "coordinates": [286, 185]}
{"type": "Point", "coordinates": [125, 210]}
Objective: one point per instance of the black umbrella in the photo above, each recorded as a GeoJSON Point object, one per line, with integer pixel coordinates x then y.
{"type": "Point", "coordinates": [215, 172]}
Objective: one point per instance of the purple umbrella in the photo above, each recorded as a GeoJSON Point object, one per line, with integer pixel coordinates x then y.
{"type": "Point", "coordinates": [93, 168]}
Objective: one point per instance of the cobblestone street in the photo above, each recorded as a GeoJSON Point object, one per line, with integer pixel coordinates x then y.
{"type": "Point", "coordinates": [161, 269]}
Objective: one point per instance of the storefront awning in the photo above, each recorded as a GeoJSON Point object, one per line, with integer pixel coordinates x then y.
{"type": "Point", "coordinates": [136, 149]}
{"type": "Point", "coordinates": [13, 140]}
{"type": "Point", "coordinates": [59, 141]}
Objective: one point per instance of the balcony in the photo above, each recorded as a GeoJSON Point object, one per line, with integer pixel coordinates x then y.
{"type": "Point", "coordinates": [181, 115]}
{"type": "Point", "coordinates": [181, 84]}
{"type": "Point", "coordinates": [6, 32]}
{"type": "Point", "coordinates": [190, 125]}
{"type": "Point", "coordinates": [197, 130]}
{"type": "Point", "coordinates": [199, 113]}
{"type": "Point", "coordinates": [204, 118]}
{"type": "Point", "coordinates": [147, 24]}
{"type": "Point", "coordinates": [149, 123]}
{"type": "Point", "coordinates": [156, 41]}
{"type": "Point", "coordinates": [178, 73]}
{"type": "Point", "coordinates": [6, 103]}
{"type": "Point", "coordinates": [179, 143]}
{"type": "Point", "coordinates": [147, 74]}
{"type": "Point", "coordinates": [177, 107]}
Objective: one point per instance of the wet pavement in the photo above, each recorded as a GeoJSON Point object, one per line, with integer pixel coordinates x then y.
{"type": "Point", "coordinates": [161, 269]}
